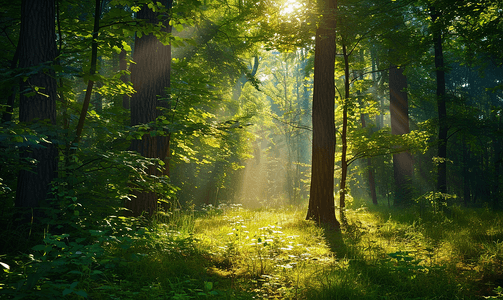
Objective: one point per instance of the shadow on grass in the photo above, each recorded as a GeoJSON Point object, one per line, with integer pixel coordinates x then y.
{"type": "Point", "coordinates": [397, 276]}
{"type": "Point", "coordinates": [335, 241]}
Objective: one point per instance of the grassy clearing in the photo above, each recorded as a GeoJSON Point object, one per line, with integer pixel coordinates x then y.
{"type": "Point", "coordinates": [267, 252]}
{"type": "Point", "coordinates": [236, 253]}
{"type": "Point", "coordinates": [381, 254]}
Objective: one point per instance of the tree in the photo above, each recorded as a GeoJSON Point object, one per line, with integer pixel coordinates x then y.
{"type": "Point", "coordinates": [352, 35]}
{"type": "Point", "coordinates": [399, 113]}
{"type": "Point", "coordinates": [321, 197]}
{"type": "Point", "coordinates": [37, 52]}
{"type": "Point", "coordinates": [400, 54]}
{"type": "Point", "coordinates": [150, 76]}
{"type": "Point", "coordinates": [90, 83]}
{"type": "Point", "coordinates": [443, 128]}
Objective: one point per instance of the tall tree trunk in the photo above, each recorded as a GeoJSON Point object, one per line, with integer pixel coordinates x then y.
{"type": "Point", "coordinates": [37, 45]}
{"type": "Point", "coordinates": [150, 76]}
{"type": "Point", "coordinates": [441, 102]}
{"type": "Point", "coordinates": [321, 196]}
{"type": "Point", "coordinates": [344, 161]}
{"type": "Point", "coordinates": [399, 113]}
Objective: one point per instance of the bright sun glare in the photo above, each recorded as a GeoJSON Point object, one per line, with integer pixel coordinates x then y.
{"type": "Point", "coordinates": [289, 7]}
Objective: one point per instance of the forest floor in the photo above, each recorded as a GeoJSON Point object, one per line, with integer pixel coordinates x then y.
{"type": "Point", "coordinates": [380, 254]}
{"type": "Point", "coordinates": [231, 252]}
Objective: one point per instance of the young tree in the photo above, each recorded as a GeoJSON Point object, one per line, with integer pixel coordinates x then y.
{"type": "Point", "coordinates": [351, 31]}
{"type": "Point", "coordinates": [344, 130]}
{"type": "Point", "coordinates": [92, 71]}
{"type": "Point", "coordinates": [37, 52]}
{"type": "Point", "coordinates": [321, 198]}
{"type": "Point", "coordinates": [150, 76]}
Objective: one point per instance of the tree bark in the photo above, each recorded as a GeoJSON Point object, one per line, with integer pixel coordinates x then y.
{"type": "Point", "coordinates": [37, 40]}
{"type": "Point", "coordinates": [344, 133]}
{"type": "Point", "coordinates": [321, 198]}
{"type": "Point", "coordinates": [399, 114]}
{"type": "Point", "coordinates": [150, 77]}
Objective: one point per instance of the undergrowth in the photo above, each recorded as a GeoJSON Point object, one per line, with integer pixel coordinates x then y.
{"type": "Point", "coordinates": [234, 253]}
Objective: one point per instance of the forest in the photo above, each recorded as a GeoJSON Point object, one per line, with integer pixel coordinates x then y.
{"type": "Point", "coordinates": [251, 149]}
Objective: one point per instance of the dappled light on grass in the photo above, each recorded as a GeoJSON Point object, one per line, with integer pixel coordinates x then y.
{"type": "Point", "coordinates": [229, 252]}
{"type": "Point", "coordinates": [270, 252]}
{"type": "Point", "coordinates": [379, 253]}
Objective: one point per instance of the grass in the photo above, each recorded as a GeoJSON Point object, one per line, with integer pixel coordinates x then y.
{"type": "Point", "coordinates": [268, 252]}
{"type": "Point", "coordinates": [381, 254]}
{"type": "Point", "coordinates": [236, 253]}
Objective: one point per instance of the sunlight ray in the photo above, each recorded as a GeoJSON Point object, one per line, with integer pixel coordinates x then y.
{"type": "Point", "coordinates": [289, 7]}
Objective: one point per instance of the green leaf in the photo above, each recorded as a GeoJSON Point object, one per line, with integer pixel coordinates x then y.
{"type": "Point", "coordinates": [117, 49]}
{"type": "Point", "coordinates": [178, 27]}
{"type": "Point", "coordinates": [5, 266]}
{"type": "Point", "coordinates": [67, 291]}
{"type": "Point", "coordinates": [82, 294]}
{"type": "Point", "coordinates": [126, 46]}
